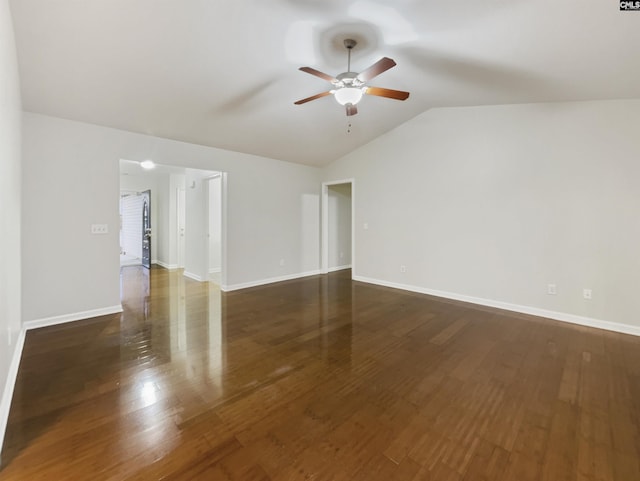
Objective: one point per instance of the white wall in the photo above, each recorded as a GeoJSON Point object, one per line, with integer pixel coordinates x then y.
{"type": "Point", "coordinates": [71, 180]}
{"type": "Point", "coordinates": [10, 210]}
{"type": "Point", "coordinates": [339, 203]}
{"type": "Point", "coordinates": [273, 211]}
{"type": "Point", "coordinates": [494, 203]}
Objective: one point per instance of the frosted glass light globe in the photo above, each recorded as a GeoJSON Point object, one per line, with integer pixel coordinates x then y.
{"type": "Point", "coordinates": [348, 95]}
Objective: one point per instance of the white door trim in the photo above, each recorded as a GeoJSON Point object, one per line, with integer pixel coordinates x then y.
{"type": "Point", "coordinates": [223, 225]}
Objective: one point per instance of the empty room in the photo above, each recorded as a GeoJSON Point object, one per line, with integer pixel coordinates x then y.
{"type": "Point", "coordinates": [319, 240]}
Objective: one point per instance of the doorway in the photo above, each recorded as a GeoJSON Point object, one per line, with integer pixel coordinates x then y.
{"type": "Point", "coordinates": [338, 246]}
{"type": "Point", "coordinates": [205, 226]}
{"type": "Point", "coordinates": [130, 228]}
{"type": "Point", "coordinates": [178, 216]}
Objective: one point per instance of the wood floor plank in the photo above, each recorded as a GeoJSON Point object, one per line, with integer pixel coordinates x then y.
{"type": "Point", "coordinates": [488, 464]}
{"type": "Point", "coordinates": [320, 378]}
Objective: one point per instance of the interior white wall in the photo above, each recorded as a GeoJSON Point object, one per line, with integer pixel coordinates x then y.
{"type": "Point", "coordinates": [339, 204]}
{"type": "Point", "coordinates": [496, 202]}
{"type": "Point", "coordinates": [71, 180]}
{"type": "Point", "coordinates": [10, 210]}
{"type": "Point", "coordinates": [273, 211]}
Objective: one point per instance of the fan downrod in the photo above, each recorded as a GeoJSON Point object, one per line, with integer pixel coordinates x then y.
{"type": "Point", "coordinates": [349, 43]}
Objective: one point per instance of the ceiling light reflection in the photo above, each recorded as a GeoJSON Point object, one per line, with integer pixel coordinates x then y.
{"type": "Point", "coordinates": [148, 394]}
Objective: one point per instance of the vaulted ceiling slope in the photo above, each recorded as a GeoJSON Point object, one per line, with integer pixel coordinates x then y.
{"type": "Point", "coordinates": [224, 73]}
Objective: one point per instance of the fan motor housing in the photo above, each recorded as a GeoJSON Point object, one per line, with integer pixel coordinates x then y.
{"type": "Point", "coordinates": [350, 43]}
{"type": "Point", "coordinates": [349, 79]}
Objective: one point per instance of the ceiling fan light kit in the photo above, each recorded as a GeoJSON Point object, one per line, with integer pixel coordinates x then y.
{"type": "Point", "coordinates": [349, 87]}
{"type": "Point", "coordinates": [348, 95]}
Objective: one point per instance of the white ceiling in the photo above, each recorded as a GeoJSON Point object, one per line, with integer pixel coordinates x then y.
{"type": "Point", "coordinates": [224, 73]}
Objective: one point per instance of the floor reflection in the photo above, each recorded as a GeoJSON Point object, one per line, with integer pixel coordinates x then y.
{"type": "Point", "coordinates": [190, 344]}
{"type": "Point", "coordinates": [182, 359]}
{"type": "Point", "coordinates": [172, 333]}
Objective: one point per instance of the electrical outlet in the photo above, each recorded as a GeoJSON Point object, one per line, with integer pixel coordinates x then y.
{"type": "Point", "coordinates": [551, 289]}
{"type": "Point", "coordinates": [365, 226]}
{"type": "Point", "coordinates": [403, 269]}
{"type": "Point", "coordinates": [586, 293]}
{"type": "Point", "coordinates": [281, 262]}
{"type": "Point", "coordinates": [99, 229]}
{"type": "Point", "coordinates": [342, 255]}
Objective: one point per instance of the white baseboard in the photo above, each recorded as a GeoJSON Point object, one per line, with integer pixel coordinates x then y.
{"type": "Point", "coordinates": [76, 316]}
{"type": "Point", "coordinates": [339, 268]}
{"type": "Point", "coordinates": [534, 311]}
{"type": "Point", "coordinates": [7, 393]}
{"type": "Point", "coordinates": [271, 280]}
{"type": "Point", "coordinates": [193, 276]}
{"type": "Point", "coordinates": [214, 270]}
{"type": "Point", "coordinates": [166, 266]}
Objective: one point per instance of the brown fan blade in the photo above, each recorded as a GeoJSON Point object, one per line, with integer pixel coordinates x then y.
{"type": "Point", "coordinates": [317, 73]}
{"type": "Point", "coordinates": [389, 93]}
{"type": "Point", "coordinates": [382, 65]}
{"type": "Point", "coordinates": [351, 110]}
{"type": "Point", "coordinates": [309, 99]}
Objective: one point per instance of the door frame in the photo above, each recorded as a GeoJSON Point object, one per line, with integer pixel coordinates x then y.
{"type": "Point", "coordinates": [206, 182]}
{"type": "Point", "coordinates": [324, 238]}
{"type": "Point", "coordinates": [180, 249]}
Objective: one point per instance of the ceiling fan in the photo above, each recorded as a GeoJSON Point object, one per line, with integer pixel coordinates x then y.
{"type": "Point", "coordinates": [350, 86]}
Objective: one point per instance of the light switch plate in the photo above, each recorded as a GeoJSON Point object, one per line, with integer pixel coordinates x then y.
{"type": "Point", "coordinates": [99, 229]}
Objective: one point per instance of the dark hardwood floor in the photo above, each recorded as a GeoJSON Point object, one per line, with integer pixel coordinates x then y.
{"type": "Point", "coordinates": [320, 379]}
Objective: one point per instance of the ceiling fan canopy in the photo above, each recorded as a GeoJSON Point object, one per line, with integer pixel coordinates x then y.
{"type": "Point", "coordinates": [349, 87]}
